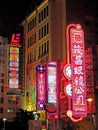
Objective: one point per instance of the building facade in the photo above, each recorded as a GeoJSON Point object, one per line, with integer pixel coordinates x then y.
{"type": "Point", "coordinates": [43, 31]}
{"type": "Point", "coordinates": [44, 39]}
{"type": "Point", "coordinates": [3, 43]}
{"type": "Point", "coordinates": [7, 103]}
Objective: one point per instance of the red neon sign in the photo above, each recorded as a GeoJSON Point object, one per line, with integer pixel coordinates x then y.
{"type": "Point", "coordinates": [15, 40]}
{"type": "Point", "coordinates": [78, 72]}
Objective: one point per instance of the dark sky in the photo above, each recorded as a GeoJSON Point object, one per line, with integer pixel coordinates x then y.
{"type": "Point", "coordinates": [12, 12]}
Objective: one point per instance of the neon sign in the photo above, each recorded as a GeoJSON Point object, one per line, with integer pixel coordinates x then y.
{"type": "Point", "coordinates": [52, 89]}
{"type": "Point", "coordinates": [78, 72]}
{"type": "Point", "coordinates": [70, 115]}
{"type": "Point", "coordinates": [15, 40]}
{"type": "Point", "coordinates": [41, 93]}
{"type": "Point", "coordinates": [14, 67]}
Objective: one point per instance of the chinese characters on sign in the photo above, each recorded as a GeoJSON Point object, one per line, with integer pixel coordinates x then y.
{"type": "Point", "coordinates": [78, 72]}
{"type": "Point", "coordinates": [14, 67]}
{"type": "Point", "coordinates": [41, 99]}
{"type": "Point", "coordinates": [52, 89]}
{"type": "Point", "coordinates": [52, 84]}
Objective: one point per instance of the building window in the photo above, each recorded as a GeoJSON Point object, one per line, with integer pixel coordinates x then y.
{"type": "Point", "coordinates": [43, 49]}
{"type": "Point", "coordinates": [1, 74]}
{"type": "Point", "coordinates": [43, 31]}
{"type": "Point", "coordinates": [2, 89]}
{"type": "Point", "coordinates": [1, 110]}
{"type": "Point", "coordinates": [43, 14]}
{"type": "Point", "coordinates": [28, 27]}
{"type": "Point", "coordinates": [2, 68]}
{"type": "Point", "coordinates": [28, 58]}
{"type": "Point", "coordinates": [30, 40]}
{"type": "Point", "coordinates": [1, 100]}
{"type": "Point", "coordinates": [31, 24]}
{"type": "Point", "coordinates": [28, 43]}
{"type": "Point", "coordinates": [33, 38]}
{"type": "Point", "coordinates": [11, 110]}
{"type": "Point", "coordinates": [1, 80]}
{"type": "Point", "coordinates": [33, 56]}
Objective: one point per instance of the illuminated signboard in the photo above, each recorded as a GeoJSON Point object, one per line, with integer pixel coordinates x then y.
{"type": "Point", "coordinates": [67, 71]}
{"type": "Point", "coordinates": [78, 72]}
{"type": "Point", "coordinates": [15, 40]}
{"type": "Point", "coordinates": [13, 67]}
{"type": "Point", "coordinates": [51, 85]}
{"type": "Point", "coordinates": [31, 87]}
{"type": "Point", "coordinates": [13, 73]}
{"type": "Point", "coordinates": [52, 88]}
{"type": "Point", "coordinates": [68, 89]}
{"type": "Point", "coordinates": [14, 50]}
{"type": "Point", "coordinates": [41, 92]}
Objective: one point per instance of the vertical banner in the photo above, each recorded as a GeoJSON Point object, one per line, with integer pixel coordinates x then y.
{"type": "Point", "coordinates": [52, 90]}
{"type": "Point", "coordinates": [78, 72]}
{"type": "Point", "coordinates": [40, 87]}
{"type": "Point", "coordinates": [13, 70]}
{"type": "Point", "coordinates": [31, 87]}
{"type": "Point", "coordinates": [14, 67]}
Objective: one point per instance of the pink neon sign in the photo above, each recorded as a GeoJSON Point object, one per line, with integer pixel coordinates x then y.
{"type": "Point", "coordinates": [78, 72]}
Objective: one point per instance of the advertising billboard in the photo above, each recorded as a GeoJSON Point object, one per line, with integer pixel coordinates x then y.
{"type": "Point", "coordinates": [13, 67]}
{"type": "Point", "coordinates": [52, 90]}
{"type": "Point", "coordinates": [78, 72]}
{"type": "Point", "coordinates": [40, 87]}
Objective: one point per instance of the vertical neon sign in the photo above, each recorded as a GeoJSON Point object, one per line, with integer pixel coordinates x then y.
{"type": "Point", "coordinates": [78, 72]}
{"type": "Point", "coordinates": [52, 89]}
{"type": "Point", "coordinates": [41, 93]}
{"type": "Point", "coordinates": [14, 61]}
{"type": "Point", "coordinates": [14, 67]}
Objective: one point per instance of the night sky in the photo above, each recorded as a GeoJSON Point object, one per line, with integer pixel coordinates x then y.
{"type": "Point", "coordinates": [12, 12]}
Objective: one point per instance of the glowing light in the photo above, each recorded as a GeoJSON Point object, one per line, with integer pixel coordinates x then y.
{"type": "Point", "coordinates": [4, 119]}
{"type": "Point", "coordinates": [78, 26]}
{"type": "Point", "coordinates": [69, 114]}
{"type": "Point", "coordinates": [90, 100]}
{"type": "Point", "coordinates": [68, 89]}
{"type": "Point", "coordinates": [67, 71]}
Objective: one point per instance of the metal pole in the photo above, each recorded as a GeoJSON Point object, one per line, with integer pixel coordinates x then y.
{"type": "Point", "coordinates": [90, 114]}
{"type": "Point", "coordinates": [4, 125]}
{"type": "Point", "coordinates": [4, 119]}
{"type": "Point", "coordinates": [90, 106]}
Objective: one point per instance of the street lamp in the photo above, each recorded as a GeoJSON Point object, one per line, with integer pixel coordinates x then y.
{"type": "Point", "coordinates": [89, 100]}
{"type": "Point", "coordinates": [4, 119]}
